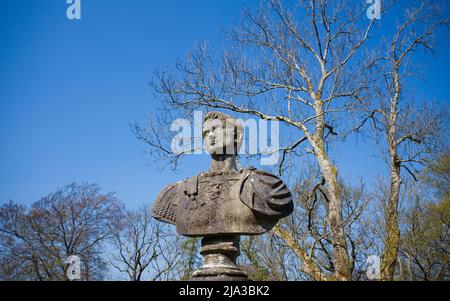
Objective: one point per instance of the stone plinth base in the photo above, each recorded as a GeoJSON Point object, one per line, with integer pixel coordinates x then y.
{"type": "Point", "coordinates": [219, 260]}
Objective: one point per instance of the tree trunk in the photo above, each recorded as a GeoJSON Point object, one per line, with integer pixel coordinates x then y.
{"type": "Point", "coordinates": [390, 253]}
{"type": "Point", "coordinates": [334, 214]}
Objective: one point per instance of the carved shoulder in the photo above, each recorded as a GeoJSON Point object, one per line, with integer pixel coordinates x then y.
{"type": "Point", "coordinates": [265, 194]}
{"type": "Point", "coordinates": [165, 206]}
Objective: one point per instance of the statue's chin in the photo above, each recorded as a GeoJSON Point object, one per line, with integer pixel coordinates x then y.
{"type": "Point", "coordinates": [219, 151]}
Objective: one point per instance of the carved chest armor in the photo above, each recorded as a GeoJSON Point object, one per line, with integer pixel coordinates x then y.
{"type": "Point", "coordinates": [248, 202]}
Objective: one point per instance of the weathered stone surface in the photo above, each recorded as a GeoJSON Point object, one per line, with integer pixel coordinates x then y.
{"type": "Point", "coordinates": [223, 203]}
{"type": "Point", "coordinates": [219, 254]}
{"type": "Point", "coordinates": [246, 202]}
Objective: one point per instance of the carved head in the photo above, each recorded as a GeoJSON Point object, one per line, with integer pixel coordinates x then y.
{"type": "Point", "coordinates": [222, 134]}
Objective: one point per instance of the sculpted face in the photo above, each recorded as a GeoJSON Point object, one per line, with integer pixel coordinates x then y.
{"type": "Point", "coordinates": [221, 134]}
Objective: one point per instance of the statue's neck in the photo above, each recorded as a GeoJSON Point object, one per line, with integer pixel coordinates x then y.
{"type": "Point", "coordinates": [221, 163]}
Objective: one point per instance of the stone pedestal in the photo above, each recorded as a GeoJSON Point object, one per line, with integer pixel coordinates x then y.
{"type": "Point", "coordinates": [219, 260]}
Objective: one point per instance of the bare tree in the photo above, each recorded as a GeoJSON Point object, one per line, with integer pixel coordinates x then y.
{"type": "Point", "coordinates": [406, 130]}
{"type": "Point", "coordinates": [36, 242]}
{"type": "Point", "coordinates": [424, 243]}
{"type": "Point", "coordinates": [308, 230]}
{"type": "Point", "coordinates": [425, 225]}
{"type": "Point", "coordinates": [286, 62]}
{"type": "Point", "coordinates": [259, 262]}
{"type": "Point", "coordinates": [144, 248]}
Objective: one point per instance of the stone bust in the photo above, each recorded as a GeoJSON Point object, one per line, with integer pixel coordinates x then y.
{"type": "Point", "coordinates": [224, 201]}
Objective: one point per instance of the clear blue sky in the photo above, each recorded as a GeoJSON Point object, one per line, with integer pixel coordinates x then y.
{"type": "Point", "coordinates": [69, 89]}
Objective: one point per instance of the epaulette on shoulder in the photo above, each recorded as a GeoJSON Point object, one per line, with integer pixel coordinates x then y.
{"type": "Point", "coordinates": [165, 206]}
{"type": "Point", "coordinates": [265, 194]}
